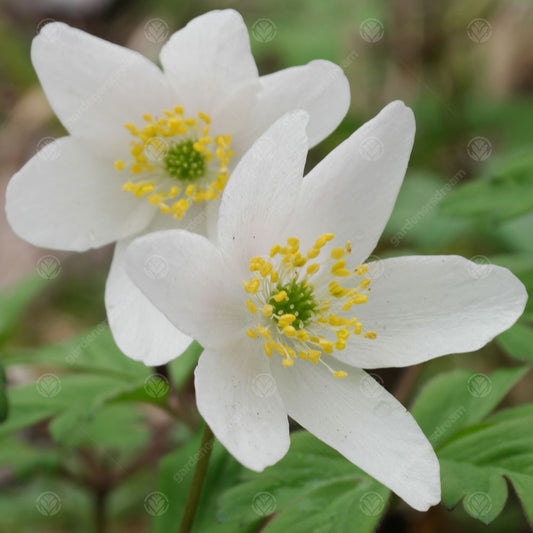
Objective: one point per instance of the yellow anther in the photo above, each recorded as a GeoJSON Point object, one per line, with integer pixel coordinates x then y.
{"type": "Point", "coordinates": [268, 348]}
{"type": "Point", "coordinates": [360, 299]}
{"type": "Point", "coordinates": [299, 261]}
{"type": "Point", "coordinates": [119, 164]}
{"type": "Point", "coordinates": [370, 335]}
{"type": "Point", "coordinates": [204, 116]}
{"type": "Point", "coordinates": [251, 286]}
{"type": "Point", "coordinates": [290, 331]}
{"type": "Point", "coordinates": [340, 344]}
{"type": "Point", "coordinates": [348, 247]}
{"type": "Point", "coordinates": [343, 333]}
{"type": "Point", "coordinates": [337, 253]}
{"type": "Point", "coordinates": [364, 283]}
{"type": "Point", "coordinates": [361, 270]}
{"type": "Point", "coordinates": [274, 276]}
{"type": "Point", "coordinates": [178, 109]}
{"type": "Point", "coordinates": [338, 265]}
{"type": "Point", "coordinates": [251, 306]}
{"type": "Point", "coordinates": [314, 355]}
{"type": "Point", "coordinates": [148, 117]}
{"type": "Point", "coordinates": [280, 296]}
{"type": "Point", "coordinates": [312, 268]}
{"type": "Point", "coordinates": [286, 319]}
{"type": "Point", "coordinates": [263, 331]}
{"type": "Point", "coordinates": [287, 362]}
{"type": "Point", "coordinates": [302, 335]}
{"type": "Point", "coordinates": [294, 242]}
{"type": "Point", "coordinates": [313, 252]}
{"type": "Point", "coordinates": [199, 147]}
{"type": "Point", "coordinates": [265, 269]}
{"type": "Point", "coordinates": [251, 333]}
{"type": "Point", "coordinates": [268, 309]}
{"type": "Point", "coordinates": [340, 374]}
{"type": "Point", "coordinates": [274, 250]}
{"type": "Point", "coordinates": [326, 345]}
{"type": "Point", "coordinates": [320, 242]}
{"type": "Point", "coordinates": [358, 328]}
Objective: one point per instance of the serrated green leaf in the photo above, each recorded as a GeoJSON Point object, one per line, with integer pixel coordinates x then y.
{"type": "Point", "coordinates": [475, 463]}
{"type": "Point", "coordinates": [312, 488]}
{"type": "Point", "coordinates": [453, 401]}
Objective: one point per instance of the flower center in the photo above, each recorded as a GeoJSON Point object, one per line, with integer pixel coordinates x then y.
{"type": "Point", "coordinates": [303, 310]}
{"type": "Point", "coordinates": [174, 162]}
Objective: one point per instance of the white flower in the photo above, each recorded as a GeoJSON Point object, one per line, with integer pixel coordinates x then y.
{"type": "Point", "coordinates": [284, 297]}
{"type": "Point", "coordinates": [149, 149]}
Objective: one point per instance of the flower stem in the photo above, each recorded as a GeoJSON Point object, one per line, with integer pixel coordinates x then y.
{"type": "Point", "coordinates": [198, 479]}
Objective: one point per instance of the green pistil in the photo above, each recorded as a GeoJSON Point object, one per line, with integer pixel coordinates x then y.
{"type": "Point", "coordinates": [299, 301]}
{"type": "Point", "coordinates": [184, 163]}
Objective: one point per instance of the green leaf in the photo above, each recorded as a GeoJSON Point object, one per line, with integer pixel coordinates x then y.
{"type": "Point", "coordinates": [475, 463]}
{"type": "Point", "coordinates": [313, 488]}
{"type": "Point", "coordinates": [455, 400]}
{"type": "Point", "coordinates": [4, 405]}
{"type": "Point", "coordinates": [507, 193]}
{"type": "Point", "coordinates": [15, 302]}
{"type": "Point", "coordinates": [24, 461]}
{"type": "Point", "coordinates": [518, 341]}
{"type": "Point", "coordinates": [175, 475]}
{"type": "Point", "coordinates": [477, 453]}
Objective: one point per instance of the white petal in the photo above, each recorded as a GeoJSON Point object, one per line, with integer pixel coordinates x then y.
{"type": "Point", "coordinates": [209, 59]}
{"type": "Point", "coordinates": [366, 424]}
{"type": "Point", "coordinates": [94, 86]}
{"type": "Point", "coordinates": [68, 198]}
{"type": "Point", "coordinates": [140, 330]}
{"type": "Point", "coordinates": [320, 88]}
{"type": "Point", "coordinates": [237, 397]}
{"type": "Point", "coordinates": [425, 307]}
{"type": "Point", "coordinates": [192, 286]}
{"type": "Point", "coordinates": [351, 192]}
{"type": "Point", "coordinates": [262, 191]}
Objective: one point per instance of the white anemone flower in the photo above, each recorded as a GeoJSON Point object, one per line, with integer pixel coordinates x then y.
{"type": "Point", "coordinates": [284, 299]}
{"type": "Point", "coordinates": [149, 149]}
